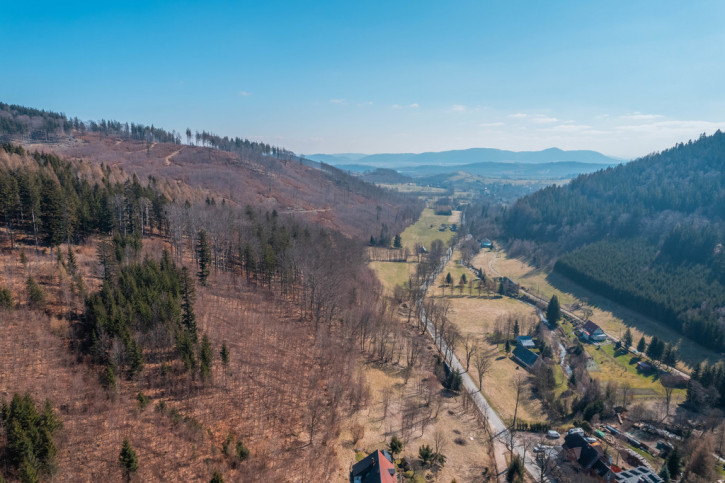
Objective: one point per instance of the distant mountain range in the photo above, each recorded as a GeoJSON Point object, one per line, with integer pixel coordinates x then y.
{"type": "Point", "coordinates": [550, 163]}
{"type": "Point", "coordinates": [464, 157]}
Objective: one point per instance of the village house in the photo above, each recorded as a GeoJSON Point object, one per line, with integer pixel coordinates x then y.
{"type": "Point", "coordinates": [589, 458]}
{"type": "Point", "coordinates": [377, 467]}
{"type": "Point", "coordinates": [592, 332]}
{"type": "Point", "coordinates": [525, 357]}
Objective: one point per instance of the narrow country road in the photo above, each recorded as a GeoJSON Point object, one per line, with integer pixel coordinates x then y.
{"type": "Point", "coordinates": [499, 431]}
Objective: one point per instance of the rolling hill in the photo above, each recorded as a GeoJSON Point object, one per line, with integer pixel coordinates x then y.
{"type": "Point", "coordinates": [466, 157]}
{"type": "Point", "coordinates": [647, 234]}
{"type": "Point", "coordinates": [207, 305]}
{"type": "Point", "coordinates": [236, 170]}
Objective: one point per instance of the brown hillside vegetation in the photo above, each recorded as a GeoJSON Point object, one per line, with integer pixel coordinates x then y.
{"type": "Point", "coordinates": [283, 393]}
{"type": "Point", "coordinates": [330, 199]}
{"type": "Point", "coordinates": [293, 303]}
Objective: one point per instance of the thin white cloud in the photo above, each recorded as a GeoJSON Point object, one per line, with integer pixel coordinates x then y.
{"type": "Point", "coordinates": [543, 119]}
{"type": "Point", "coordinates": [569, 128]}
{"type": "Point", "coordinates": [638, 116]}
{"type": "Point", "coordinates": [244, 94]}
{"type": "Point", "coordinates": [535, 118]}
{"type": "Point", "coordinates": [458, 108]}
{"type": "Point", "coordinates": [674, 126]}
{"type": "Point", "coordinates": [414, 105]}
{"type": "Point", "coordinates": [491, 124]}
{"type": "Point", "coordinates": [338, 101]}
{"type": "Point", "coordinates": [368, 103]}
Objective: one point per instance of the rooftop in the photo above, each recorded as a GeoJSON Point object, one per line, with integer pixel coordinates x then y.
{"type": "Point", "coordinates": [525, 341]}
{"type": "Point", "coordinates": [641, 474]}
{"type": "Point", "coordinates": [377, 467]}
{"type": "Point", "coordinates": [527, 357]}
{"type": "Point", "coordinates": [590, 327]}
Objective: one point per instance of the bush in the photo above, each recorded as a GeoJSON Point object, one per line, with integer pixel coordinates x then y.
{"type": "Point", "coordinates": [515, 471]}
{"type": "Point", "coordinates": [128, 460]}
{"type": "Point", "coordinates": [242, 451]}
{"type": "Point", "coordinates": [143, 400]}
{"type": "Point", "coordinates": [6, 299]}
{"type": "Point", "coordinates": [36, 296]}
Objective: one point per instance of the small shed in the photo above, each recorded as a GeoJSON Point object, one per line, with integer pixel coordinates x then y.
{"type": "Point", "coordinates": [525, 341]}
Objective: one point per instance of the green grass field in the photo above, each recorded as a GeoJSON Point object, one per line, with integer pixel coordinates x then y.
{"type": "Point", "coordinates": [622, 368]}
{"type": "Point", "coordinates": [391, 274]}
{"type": "Point", "coordinates": [422, 232]}
{"type": "Point", "coordinates": [455, 268]}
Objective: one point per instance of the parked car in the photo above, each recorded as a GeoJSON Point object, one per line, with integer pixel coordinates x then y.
{"type": "Point", "coordinates": [551, 434]}
{"type": "Point", "coordinates": [539, 448]}
{"type": "Point", "coordinates": [590, 440]}
{"type": "Point", "coordinates": [576, 431]}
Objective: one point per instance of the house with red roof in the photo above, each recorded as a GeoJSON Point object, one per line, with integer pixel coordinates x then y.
{"type": "Point", "coordinates": [592, 332]}
{"type": "Point", "coordinates": [377, 467]}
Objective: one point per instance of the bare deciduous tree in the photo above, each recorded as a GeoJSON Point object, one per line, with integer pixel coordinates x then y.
{"type": "Point", "coordinates": [482, 361]}
{"type": "Point", "coordinates": [469, 346]}
{"type": "Point", "coordinates": [519, 385]}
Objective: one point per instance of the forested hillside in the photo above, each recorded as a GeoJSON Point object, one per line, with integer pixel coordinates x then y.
{"type": "Point", "coordinates": [234, 170]}
{"type": "Point", "coordinates": [206, 336]}
{"type": "Point", "coordinates": [647, 234]}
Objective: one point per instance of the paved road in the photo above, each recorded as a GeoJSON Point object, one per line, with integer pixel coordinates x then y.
{"type": "Point", "coordinates": [498, 429]}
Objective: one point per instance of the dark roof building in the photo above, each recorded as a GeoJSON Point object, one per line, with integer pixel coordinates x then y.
{"type": "Point", "coordinates": [590, 457]}
{"type": "Point", "coordinates": [527, 358]}
{"type": "Point", "coordinates": [377, 467]}
{"type": "Point", "coordinates": [525, 341]}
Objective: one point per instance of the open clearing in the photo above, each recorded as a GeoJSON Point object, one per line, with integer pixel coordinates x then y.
{"type": "Point", "coordinates": [392, 274]}
{"type": "Point", "coordinates": [476, 317]}
{"type": "Point", "coordinates": [465, 443]}
{"type": "Point", "coordinates": [426, 229]}
{"type": "Point", "coordinates": [622, 369]}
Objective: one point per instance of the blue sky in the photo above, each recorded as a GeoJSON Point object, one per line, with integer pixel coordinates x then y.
{"type": "Point", "coordinates": [625, 78]}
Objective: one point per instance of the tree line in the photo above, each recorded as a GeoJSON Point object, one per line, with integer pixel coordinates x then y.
{"type": "Point", "coordinates": [634, 275]}
{"type": "Point", "coordinates": [47, 198]}
{"type": "Point", "coordinates": [647, 234]}
{"type": "Point", "coordinates": [25, 123]}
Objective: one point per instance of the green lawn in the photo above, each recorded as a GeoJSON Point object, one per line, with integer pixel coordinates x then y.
{"type": "Point", "coordinates": [623, 368]}
{"type": "Point", "coordinates": [455, 268]}
{"type": "Point", "coordinates": [422, 232]}
{"type": "Point", "coordinates": [391, 274]}
{"type": "Point", "coordinates": [561, 380]}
